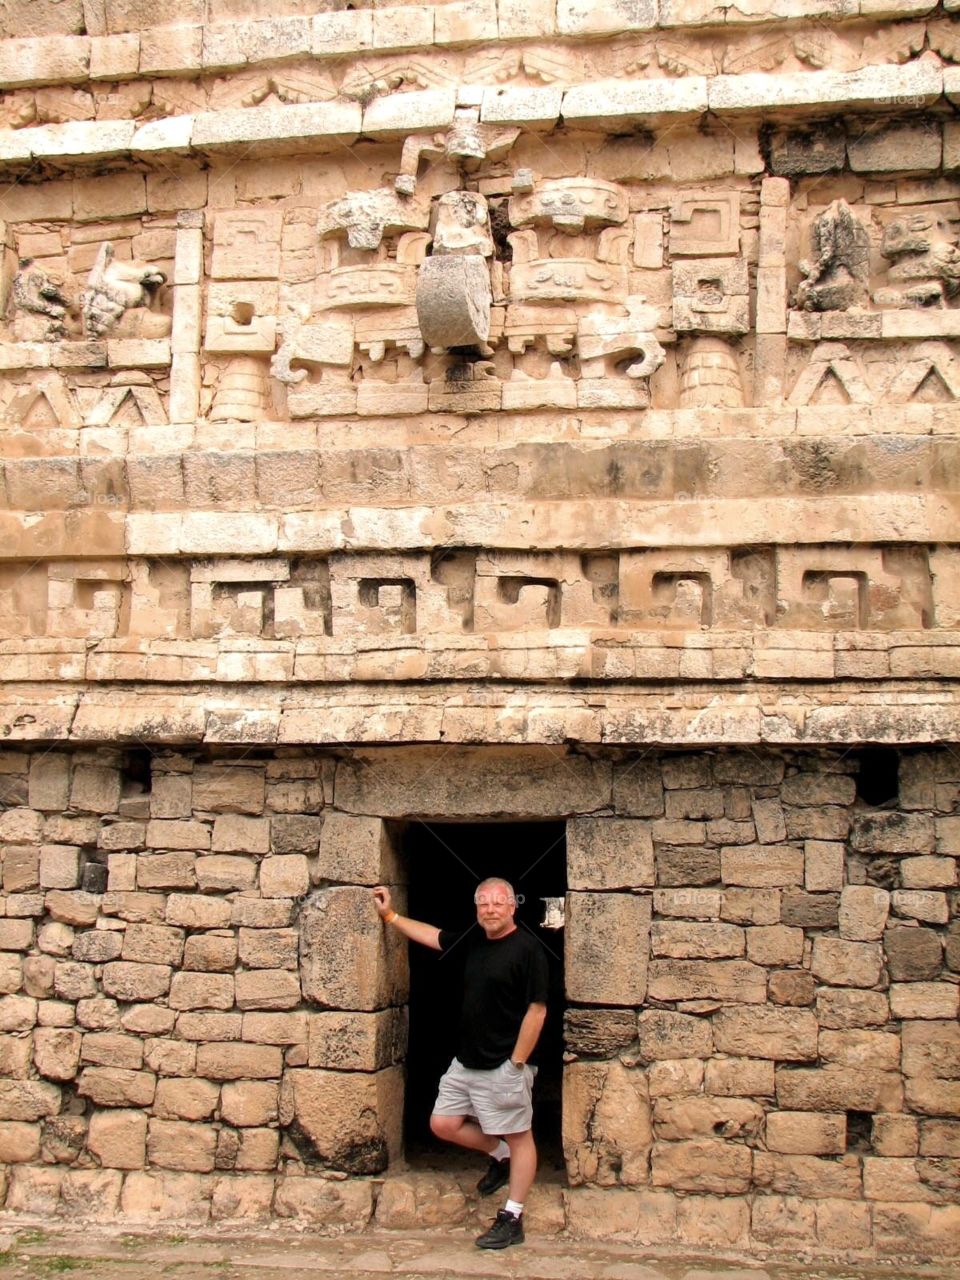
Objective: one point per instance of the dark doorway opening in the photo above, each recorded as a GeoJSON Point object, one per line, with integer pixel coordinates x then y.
{"type": "Point", "coordinates": [445, 862]}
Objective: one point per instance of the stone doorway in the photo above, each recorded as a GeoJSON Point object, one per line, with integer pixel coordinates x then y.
{"type": "Point", "coordinates": [443, 863]}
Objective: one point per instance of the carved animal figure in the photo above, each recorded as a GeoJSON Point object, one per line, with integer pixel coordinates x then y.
{"type": "Point", "coordinates": [924, 259]}
{"type": "Point", "coordinates": [114, 287]}
{"type": "Point", "coordinates": [39, 293]}
{"type": "Point", "coordinates": [838, 277]}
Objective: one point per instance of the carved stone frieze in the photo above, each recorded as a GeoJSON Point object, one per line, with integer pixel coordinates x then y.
{"type": "Point", "coordinates": [364, 598]}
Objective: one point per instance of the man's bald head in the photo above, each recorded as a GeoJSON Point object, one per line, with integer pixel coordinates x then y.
{"type": "Point", "coordinates": [493, 883]}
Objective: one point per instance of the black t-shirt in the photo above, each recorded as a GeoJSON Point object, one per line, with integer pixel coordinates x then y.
{"type": "Point", "coordinates": [502, 978]}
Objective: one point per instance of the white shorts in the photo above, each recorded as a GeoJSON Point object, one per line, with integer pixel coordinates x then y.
{"type": "Point", "coordinates": [500, 1099]}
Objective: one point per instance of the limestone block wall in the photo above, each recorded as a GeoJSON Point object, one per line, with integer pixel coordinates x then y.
{"type": "Point", "coordinates": [202, 1017]}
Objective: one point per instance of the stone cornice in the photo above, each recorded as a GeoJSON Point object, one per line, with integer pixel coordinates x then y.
{"type": "Point", "coordinates": [774, 713]}
{"type": "Point", "coordinates": [597, 105]}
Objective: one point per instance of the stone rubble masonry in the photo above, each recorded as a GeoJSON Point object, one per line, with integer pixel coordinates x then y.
{"type": "Point", "coordinates": [220, 1049]}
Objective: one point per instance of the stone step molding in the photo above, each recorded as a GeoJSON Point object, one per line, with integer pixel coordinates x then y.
{"type": "Point", "coordinates": [327, 125]}
{"type": "Point", "coordinates": [889, 518]}
{"type": "Point", "coordinates": [150, 450]}
{"type": "Point", "coordinates": [873, 658]}
{"type": "Point", "coordinates": [779, 713]}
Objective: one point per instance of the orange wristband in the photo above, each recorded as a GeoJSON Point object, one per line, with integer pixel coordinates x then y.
{"type": "Point", "coordinates": [391, 916]}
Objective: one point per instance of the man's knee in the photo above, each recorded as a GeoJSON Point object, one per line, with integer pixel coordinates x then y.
{"type": "Point", "coordinates": [445, 1126]}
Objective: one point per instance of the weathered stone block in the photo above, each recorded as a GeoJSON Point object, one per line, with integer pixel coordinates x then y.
{"type": "Point", "coordinates": [176, 1144]}
{"type": "Point", "coordinates": [931, 1048]}
{"type": "Point", "coordinates": [169, 870]}
{"type": "Point", "coordinates": [893, 832]}
{"type": "Point", "coordinates": [231, 1061]}
{"type": "Point", "coordinates": [680, 1119]}
{"type": "Point", "coordinates": [118, 1138]}
{"type": "Point", "coordinates": [268, 989]}
{"type": "Point", "coordinates": [59, 866]}
{"type": "Point", "coordinates": [879, 1050]}
{"type": "Point", "coordinates": [165, 1197]}
{"type": "Point", "coordinates": [56, 1052]}
{"type": "Point", "coordinates": [153, 944]}
{"type": "Point", "coordinates": [223, 788]}
{"type": "Point", "coordinates": [836, 1088]}
{"type": "Point", "coordinates": [609, 853]}
{"type": "Point", "coordinates": [117, 1087]}
{"type": "Point", "coordinates": [823, 865]}
{"type": "Point", "coordinates": [284, 876]}
{"type": "Point", "coordinates": [895, 1136]}
{"type": "Point", "coordinates": [775, 944]}
{"type": "Point", "coordinates": [811, 1177]}
{"type": "Point", "coordinates": [202, 991]}
{"type": "Point", "coordinates": [379, 976]}
{"type": "Point", "coordinates": [224, 872]}
{"type": "Point", "coordinates": [330, 1207]}
{"type": "Point", "coordinates": [210, 952]}
{"type": "Point", "coordinates": [186, 1099]}
{"type": "Point", "coordinates": [233, 833]}
{"type": "Point", "coordinates": [357, 850]}
{"type": "Point", "coordinates": [665, 1034]}
{"type": "Point", "coordinates": [600, 926]}
{"type": "Point", "coordinates": [788, 1035]}
{"type": "Point", "coordinates": [28, 1100]}
{"type": "Point", "coordinates": [597, 1148]}
{"type": "Point", "coordinates": [686, 939]}
{"type": "Point", "coordinates": [750, 906]}
{"type": "Point", "coordinates": [839, 1009]}
{"type": "Point", "coordinates": [195, 911]}
{"type": "Point", "coordinates": [924, 999]}
{"type": "Point", "coordinates": [687, 865]}
{"type": "Point", "coordinates": [783, 1221]}
{"type": "Point", "coordinates": [707, 980]}
{"type": "Point", "coordinates": [806, 1133]}
{"type": "Point", "coordinates": [19, 1142]}
{"type": "Point", "coordinates": [95, 788]}
{"type": "Point", "coordinates": [112, 1049]}
{"type": "Point", "coordinates": [130, 980]}
{"type": "Point", "coordinates": [275, 1028]}
{"type": "Point", "coordinates": [344, 1120]}
{"type": "Point", "coordinates": [847, 964]}
{"type": "Point", "coordinates": [863, 912]}
{"type": "Point", "coordinates": [705, 1165]}
{"type": "Point", "coordinates": [913, 955]}
{"type": "Point", "coordinates": [358, 1041]}
{"type": "Point", "coordinates": [757, 865]}
{"type": "Point", "coordinates": [170, 1057]}
{"type": "Point", "coordinates": [268, 948]}
{"type": "Point", "coordinates": [462, 782]}
{"type": "Point", "coordinates": [250, 1102]}
{"type": "Point", "coordinates": [97, 946]}
{"type": "Point", "coordinates": [739, 1077]}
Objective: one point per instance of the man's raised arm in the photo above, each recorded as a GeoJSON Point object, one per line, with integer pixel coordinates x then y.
{"type": "Point", "coordinates": [428, 935]}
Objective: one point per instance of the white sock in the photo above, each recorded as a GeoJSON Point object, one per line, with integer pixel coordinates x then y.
{"type": "Point", "coordinates": [501, 1151]}
{"type": "Point", "coordinates": [512, 1206]}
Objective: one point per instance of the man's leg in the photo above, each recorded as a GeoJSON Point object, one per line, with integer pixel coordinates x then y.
{"type": "Point", "coordinates": [523, 1164]}
{"type": "Point", "coordinates": [465, 1133]}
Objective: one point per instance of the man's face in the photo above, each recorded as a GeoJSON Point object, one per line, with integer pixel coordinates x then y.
{"type": "Point", "coordinates": [495, 909]}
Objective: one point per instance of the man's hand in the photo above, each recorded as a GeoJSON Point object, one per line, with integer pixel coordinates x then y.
{"type": "Point", "coordinates": [381, 900]}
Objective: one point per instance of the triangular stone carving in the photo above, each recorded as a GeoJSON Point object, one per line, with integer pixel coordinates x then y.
{"type": "Point", "coordinates": [127, 406]}
{"type": "Point", "coordinates": [45, 405]}
{"type": "Point", "coordinates": [931, 377]}
{"type": "Point", "coordinates": [831, 377]}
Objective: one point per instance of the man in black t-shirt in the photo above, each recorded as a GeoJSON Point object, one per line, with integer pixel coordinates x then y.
{"type": "Point", "coordinates": [484, 1099]}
